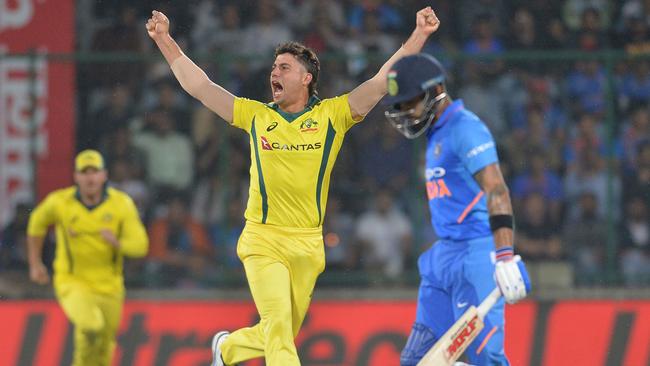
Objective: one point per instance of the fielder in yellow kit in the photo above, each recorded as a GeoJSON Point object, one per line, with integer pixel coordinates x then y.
{"type": "Point", "coordinates": [96, 226]}
{"type": "Point", "coordinates": [294, 143]}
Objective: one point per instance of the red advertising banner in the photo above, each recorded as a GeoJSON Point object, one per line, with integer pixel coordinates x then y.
{"type": "Point", "coordinates": [36, 100]}
{"type": "Point", "coordinates": [342, 333]}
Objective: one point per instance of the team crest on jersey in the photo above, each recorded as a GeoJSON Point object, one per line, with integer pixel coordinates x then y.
{"type": "Point", "coordinates": [107, 217]}
{"type": "Point", "coordinates": [437, 149]}
{"type": "Point", "coordinates": [309, 125]}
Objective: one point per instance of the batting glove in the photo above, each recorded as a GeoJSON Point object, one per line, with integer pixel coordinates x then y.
{"type": "Point", "coordinates": [511, 275]}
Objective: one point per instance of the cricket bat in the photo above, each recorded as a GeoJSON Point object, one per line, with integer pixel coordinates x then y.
{"type": "Point", "coordinates": [460, 335]}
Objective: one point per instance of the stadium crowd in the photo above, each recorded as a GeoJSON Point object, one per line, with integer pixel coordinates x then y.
{"type": "Point", "coordinates": [574, 147]}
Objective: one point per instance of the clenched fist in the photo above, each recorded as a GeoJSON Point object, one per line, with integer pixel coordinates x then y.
{"type": "Point", "coordinates": [157, 25]}
{"type": "Point", "coordinates": [426, 21]}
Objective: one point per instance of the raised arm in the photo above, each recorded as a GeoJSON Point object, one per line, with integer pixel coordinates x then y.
{"type": "Point", "coordinates": [364, 97]}
{"type": "Point", "coordinates": [191, 77]}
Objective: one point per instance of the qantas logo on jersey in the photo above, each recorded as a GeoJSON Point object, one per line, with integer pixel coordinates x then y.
{"type": "Point", "coordinates": [269, 145]}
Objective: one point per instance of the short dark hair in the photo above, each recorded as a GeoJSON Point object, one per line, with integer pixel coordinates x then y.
{"type": "Point", "coordinates": [307, 58]}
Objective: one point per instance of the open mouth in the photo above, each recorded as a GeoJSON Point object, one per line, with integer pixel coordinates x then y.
{"type": "Point", "coordinates": [277, 89]}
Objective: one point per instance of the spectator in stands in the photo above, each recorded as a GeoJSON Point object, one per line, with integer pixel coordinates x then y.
{"type": "Point", "coordinates": [574, 13]}
{"type": "Point", "coordinates": [472, 9]}
{"type": "Point", "coordinates": [328, 18]}
{"type": "Point", "coordinates": [338, 236]}
{"type": "Point", "coordinates": [387, 16]}
{"type": "Point", "coordinates": [523, 31]}
{"type": "Point", "coordinates": [585, 239]}
{"type": "Point", "coordinates": [537, 235]}
{"type": "Point", "coordinates": [635, 251]}
{"type": "Point", "coordinates": [484, 41]}
{"type": "Point", "coordinates": [539, 178]}
{"type": "Point", "coordinates": [123, 178]}
{"type": "Point", "coordinates": [590, 36]}
{"type": "Point", "coordinates": [13, 241]}
{"type": "Point", "coordinates": [120, 147]}
{"type": "Point", "coordinates": [634, 85]}
{"type": "Point", "coordinates": [586, 86]}
{"type": "Point", "coordinates": [171, 102]}
{"type": "Point", "coordinates": [117, 114]}
{"type": "Point", "coordinates": [121, 35]}
{"type": "Point", "coordinates": [540, 100]}
{"type": "Point", "coordinates": [169, 156]}
{"type": "Point", "coordinates": [225, 235]}
{"type": "Point", "coordinates": [634, 133]}
{"type": "Point", "coordinates": [384, 235]}
{"type": "Point", "coordinates": [382, 157]}
{"type": "Point", "coordinates": [589, 174]}
{"type": "Point", "coordinates": [179, 246]}
{"type": "Point", "coordinates": [637, 182]}
{"type": "Point", "coordinates": [588, 136]}
{"type": "Point", "coordinates": [265, 33]}
{"type": "Point", "coordinates": [477, 92]}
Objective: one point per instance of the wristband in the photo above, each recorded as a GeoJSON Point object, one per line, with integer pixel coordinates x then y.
{"type": "Point", "coordinates": [500, 221]}
{"type": "Point", "coordinates": [505, 253]}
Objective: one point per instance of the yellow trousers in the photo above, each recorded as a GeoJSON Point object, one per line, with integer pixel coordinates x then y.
{"type": "Point", "coordinates": [282, 265]}
{"type": "Point", "coordinates": [95, 317]}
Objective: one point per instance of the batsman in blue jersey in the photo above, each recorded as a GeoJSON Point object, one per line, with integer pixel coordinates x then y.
{"type": "Point", "coordinates": [470, 212]}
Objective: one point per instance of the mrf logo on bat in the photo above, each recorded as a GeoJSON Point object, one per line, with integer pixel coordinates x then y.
{"type": "Point", "coordinates": [461, 337]}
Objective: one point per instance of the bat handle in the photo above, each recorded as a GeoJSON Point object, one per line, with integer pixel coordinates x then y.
{"type": "Point", "coordinates": [489, 302]}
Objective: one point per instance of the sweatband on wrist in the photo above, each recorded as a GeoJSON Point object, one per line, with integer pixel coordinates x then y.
{"type": "Point", "coordinates": [504, 253]}
{"type": "Point", "coordinates": [500, 221]}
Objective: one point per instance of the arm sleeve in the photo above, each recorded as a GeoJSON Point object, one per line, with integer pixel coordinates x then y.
{"type": "Point", "coordinates": [341, 115]}
{"type": "Point", "coordinates": [243, 113]}
{"type": "Point", "coordinates": [132, 236]}
{"type": "Point", "coordinates": [42, 217]}
{"type": "Point", "coordinates": [474, 145]}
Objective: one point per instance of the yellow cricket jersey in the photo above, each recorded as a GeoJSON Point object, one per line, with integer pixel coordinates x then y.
{"type": "Point", "coordinates": [292, 156]}
{"type": "Point", "coordinates": [81, 252]}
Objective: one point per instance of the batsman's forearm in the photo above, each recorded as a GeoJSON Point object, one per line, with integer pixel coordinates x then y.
{"type": "Point", "coordinates": [34, 249]}
{"type": "Point", "coordinates": [169, 48]}
{"type": "Point", "coordinates": [498, 202]}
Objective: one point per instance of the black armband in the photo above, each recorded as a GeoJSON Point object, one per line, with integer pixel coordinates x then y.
{"type": "Point", "coordinates": [500, 221]}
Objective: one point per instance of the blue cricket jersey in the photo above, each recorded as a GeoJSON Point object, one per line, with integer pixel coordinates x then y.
{"type": "Point", "coordinates": [459, 145]}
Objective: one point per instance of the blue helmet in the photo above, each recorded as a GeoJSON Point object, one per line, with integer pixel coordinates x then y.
{"type": "Point", "coordinates": [410, 77]}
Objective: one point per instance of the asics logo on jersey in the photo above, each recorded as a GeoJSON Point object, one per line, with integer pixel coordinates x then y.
{"type": "Point", "coordinates": [272, 126]}
{"type": "Point", "coordinates": [268, 145]}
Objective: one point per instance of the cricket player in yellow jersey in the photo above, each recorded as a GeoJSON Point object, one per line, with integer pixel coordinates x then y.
{"type": "Point", "coordinates": [96, 226]}
{"type": "Point", "coordinates": [294, 142]}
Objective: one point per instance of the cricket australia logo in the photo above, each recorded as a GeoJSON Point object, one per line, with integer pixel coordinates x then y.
{"type": "Point", "coordinates": [309, 125]}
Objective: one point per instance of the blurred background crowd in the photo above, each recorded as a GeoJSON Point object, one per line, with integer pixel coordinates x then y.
{"type": "Point", "coordinates": [573, 132]}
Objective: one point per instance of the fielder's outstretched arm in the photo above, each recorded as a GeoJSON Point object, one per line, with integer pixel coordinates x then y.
{"type": "Point", "coordinates": [191, 77]}
{"type": "Point", "coordinates": [364, 97]}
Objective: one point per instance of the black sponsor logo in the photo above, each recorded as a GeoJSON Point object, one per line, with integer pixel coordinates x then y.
{"type": "Point", "coordinates": [272, 126]}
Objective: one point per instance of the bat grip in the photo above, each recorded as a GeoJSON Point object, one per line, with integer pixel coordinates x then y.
{"type": "Point", "coordinates": [489, 302]}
